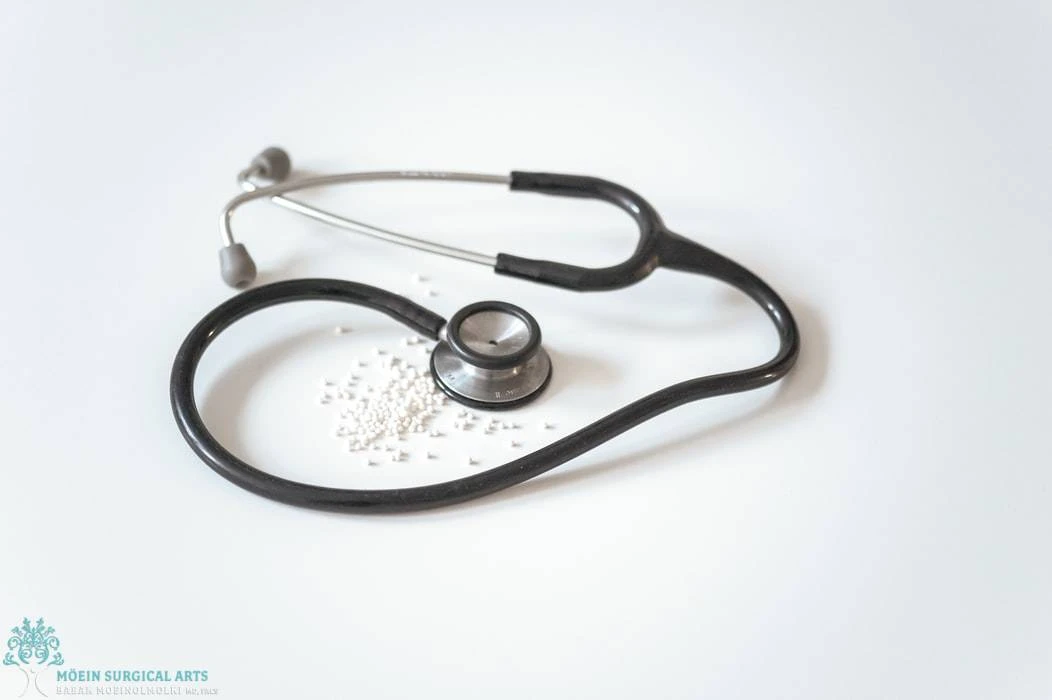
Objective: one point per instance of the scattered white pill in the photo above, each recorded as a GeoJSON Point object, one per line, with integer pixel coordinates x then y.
{"type": "Point", "coordinates": [513, 444]}
{"type": "Point", "coordinates": [340, 330]}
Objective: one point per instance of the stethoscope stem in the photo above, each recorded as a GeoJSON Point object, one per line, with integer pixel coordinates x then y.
{"type": "Point", "coordinates": [275, 193]}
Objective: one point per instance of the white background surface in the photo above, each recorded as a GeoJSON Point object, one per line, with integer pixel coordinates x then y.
{"type": "Point", "coordinates": [878, 526]}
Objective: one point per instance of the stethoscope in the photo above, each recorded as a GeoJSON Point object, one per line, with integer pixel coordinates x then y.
{"type": "Point", "coordinates": [489, 354]}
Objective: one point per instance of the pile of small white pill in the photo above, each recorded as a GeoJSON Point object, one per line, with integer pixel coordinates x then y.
{"type": "Point", "coordinates": [402, 402]}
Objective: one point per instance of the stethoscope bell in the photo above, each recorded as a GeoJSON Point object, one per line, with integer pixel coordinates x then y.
{"type": "Point", "coordinates": [491, 357]}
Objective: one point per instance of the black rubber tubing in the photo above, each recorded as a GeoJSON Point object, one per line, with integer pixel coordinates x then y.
{"type": "Point", "coordinates": [662, 248]}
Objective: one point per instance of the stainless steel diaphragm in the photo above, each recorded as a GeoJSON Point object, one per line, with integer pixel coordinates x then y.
{"type": "Point", "coordinates": [491, 357]}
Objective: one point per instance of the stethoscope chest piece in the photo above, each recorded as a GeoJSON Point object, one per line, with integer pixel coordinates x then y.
{"type": "Point", "coordinates": [491, 357]}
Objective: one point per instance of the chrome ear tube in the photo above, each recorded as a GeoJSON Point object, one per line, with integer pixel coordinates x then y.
{"type": "Point", "coordinates": [274, 165]}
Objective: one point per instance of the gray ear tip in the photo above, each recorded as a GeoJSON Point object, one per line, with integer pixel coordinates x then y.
{"type": "Point", "coordinates": [236, 266]}
{"type": "Point", "coordinates": [273, 163]}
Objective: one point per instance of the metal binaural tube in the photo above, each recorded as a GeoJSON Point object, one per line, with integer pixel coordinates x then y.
{"type": "Point", "coordinates": [276, 194]}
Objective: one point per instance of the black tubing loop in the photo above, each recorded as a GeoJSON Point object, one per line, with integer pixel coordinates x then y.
{"type": "Point", "coordinates": [657, 246]}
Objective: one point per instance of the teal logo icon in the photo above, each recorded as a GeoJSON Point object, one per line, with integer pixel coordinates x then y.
{"type": "Point", "coordinates": [31, 649]}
